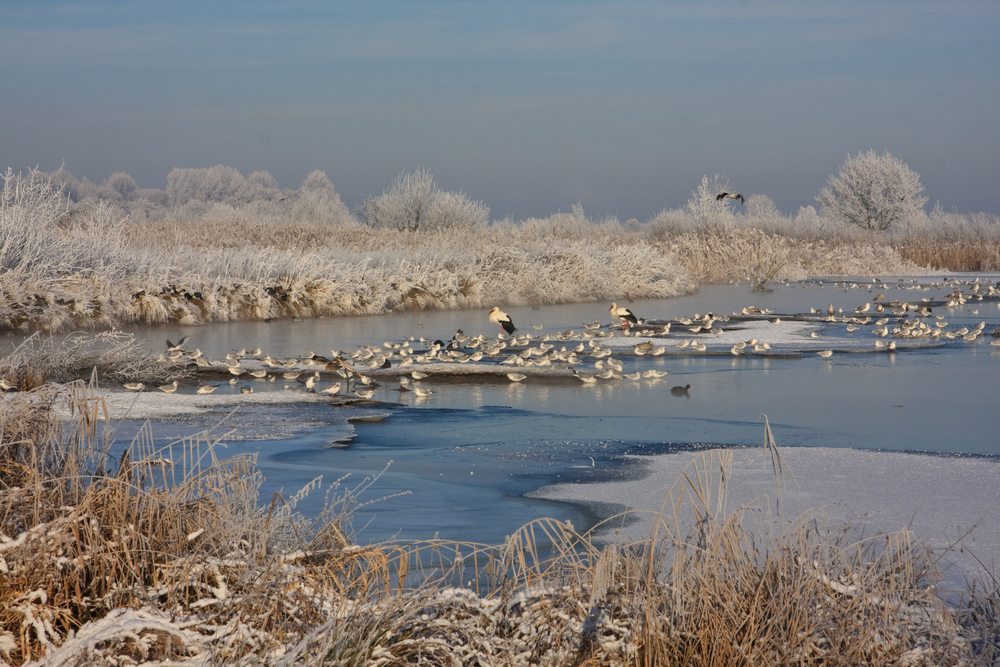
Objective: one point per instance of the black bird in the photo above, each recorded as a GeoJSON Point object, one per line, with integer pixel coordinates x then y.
{"type": "Point", "coordinates": [680, 390]}
{"type": "Point", "coordinates": [730, 195]}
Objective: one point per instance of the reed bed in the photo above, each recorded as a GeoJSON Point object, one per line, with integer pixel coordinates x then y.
{"type": "Point", "coordinates": [99, 263]}
{"type": "Point", "coordinates": [168, 554]}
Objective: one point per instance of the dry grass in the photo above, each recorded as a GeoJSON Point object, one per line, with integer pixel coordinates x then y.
{"type": "Point", "coordinates": [168, 555]}
{"type": "Point", "coordinates": [79, 266]}
{"type": "Point", "coordinates": [951, 242]}
{"type": "Point", "coordinates": [111, 356]}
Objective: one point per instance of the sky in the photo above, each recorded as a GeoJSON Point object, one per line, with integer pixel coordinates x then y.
{"type": "Point", "coordinates": [529, 106]}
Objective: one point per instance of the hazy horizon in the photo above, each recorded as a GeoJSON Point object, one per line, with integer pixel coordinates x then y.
{"type": "Point", "coordinates": [528, 107]}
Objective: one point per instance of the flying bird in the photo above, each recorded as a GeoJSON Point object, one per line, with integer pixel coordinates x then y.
{"type": "Point", "coordinates": [627, 317]}
{"type": "Point", "coordinates": [730, 195]}
{"type": "Point", "coordinates": [502, 320]}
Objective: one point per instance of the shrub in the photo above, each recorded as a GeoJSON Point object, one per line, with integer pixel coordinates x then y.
{"type": "Point", "coordinates": [873, 192]}
{"type": "Point", "coordinates": [414, 202]}
{"type": "Point", "coordinates": [121, 183]}
{"type": "Point", "coordinates": [209, 184]}
{"type": "Point", "coordinates": [317, 201]}
{"type": "Point", "coordinates": [707, 211]}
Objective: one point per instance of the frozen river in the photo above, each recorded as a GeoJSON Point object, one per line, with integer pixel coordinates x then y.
{"type": "Point", "coordinates": [459, 463]}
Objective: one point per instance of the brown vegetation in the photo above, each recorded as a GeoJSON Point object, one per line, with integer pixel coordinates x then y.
{"type": "Point", "coordinates": [168, 555]}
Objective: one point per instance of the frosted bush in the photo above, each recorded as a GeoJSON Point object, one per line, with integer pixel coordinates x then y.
{"type": "Point", "coordinates": [317, 201]}
{"type": "Point", "coordinates": [873, 192]}
{"type": "Point", "coordinates": [121, 184]}
{"type": "Point", "coordinates": [761, 207]}
{"type": "Point", "coordinates": [414, 202]}
{"type": "Point", "coordinates": [707, 211]}
{"type": "Point", "coordinates": [206, 184]}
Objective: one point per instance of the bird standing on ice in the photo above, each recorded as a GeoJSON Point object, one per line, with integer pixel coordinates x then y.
{"type": "Point", "coordinates": [502, 320]}
{"type": "Point", "coordinates": [627, 317]}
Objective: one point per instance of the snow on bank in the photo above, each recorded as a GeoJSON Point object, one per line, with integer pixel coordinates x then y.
{"type": "Point", "coordinates": [941, 499]}
{"type": "Point", "coordinates": [157, 405]}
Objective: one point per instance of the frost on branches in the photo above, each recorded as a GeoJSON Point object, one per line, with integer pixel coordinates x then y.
{"type": "Point", "coordinates": [873, 192]}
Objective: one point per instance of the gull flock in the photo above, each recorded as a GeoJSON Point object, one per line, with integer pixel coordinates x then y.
{"type": "Point", "coordinates": [594, 353]}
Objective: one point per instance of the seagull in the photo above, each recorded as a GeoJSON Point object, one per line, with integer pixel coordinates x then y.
{"type": "Point", "coordinates": [730, 195]}
{"type": "Point", "coordinates": [502, 320]}
{"type": "Point", "coordinates": [169, 388]}
{"type": "Point", "coordinates": [627, 317]}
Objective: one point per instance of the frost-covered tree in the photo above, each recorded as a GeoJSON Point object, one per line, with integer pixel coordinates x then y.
{"type": "Point", "coordinates": [206, 184]}
{"type": "Point", "coordinates": [262, 185]}
{"type": "Point", "coordinates": [414, 202]}
{"type": "Point", "coordinates": [703, 206]}
{"type": "Point", "coordinates": [121, 183]}
{"type": "Point", "coordinates": [761, 207]}
{"type": "Point", "coordinates": [873, 192]}
{"type": "Point", "coordinates": [317, 200]}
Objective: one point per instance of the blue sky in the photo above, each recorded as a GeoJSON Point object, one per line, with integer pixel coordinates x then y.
{"type": "Point", "coordinates": [530, 106]}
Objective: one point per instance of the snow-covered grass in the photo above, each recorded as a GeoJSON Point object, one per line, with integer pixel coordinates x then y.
{"type": "Point", "coordinates": [165, 555]}
{"type": "Point", "coordinates": [100, 262]}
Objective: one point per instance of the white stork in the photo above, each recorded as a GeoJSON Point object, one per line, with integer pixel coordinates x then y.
{"type": "Point", "coordinates": [502, 320]}
{"type": "Point", "coordinates": [627, 317]}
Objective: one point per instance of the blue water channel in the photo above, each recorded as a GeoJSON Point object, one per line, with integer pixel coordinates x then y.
{"type": "Point", "coordinates": [458, 464]}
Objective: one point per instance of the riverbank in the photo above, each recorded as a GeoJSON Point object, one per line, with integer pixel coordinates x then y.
{"type": "Point", "coordinates": [137, 560]}
{"type": "Point", "coordinates": [950, 504]}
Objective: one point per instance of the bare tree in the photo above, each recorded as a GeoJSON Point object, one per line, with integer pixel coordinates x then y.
{"type": "Point", "coordinates": [873, 192]}
{"type": "Point", "coordinates": [414, 202]}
